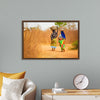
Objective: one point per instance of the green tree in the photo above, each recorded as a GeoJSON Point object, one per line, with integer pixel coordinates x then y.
{"type": "Point", "coordinates": [59, 24]}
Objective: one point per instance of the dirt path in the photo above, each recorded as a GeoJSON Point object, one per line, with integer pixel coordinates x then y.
{"type": "Point", "coordinates": [46, 52]}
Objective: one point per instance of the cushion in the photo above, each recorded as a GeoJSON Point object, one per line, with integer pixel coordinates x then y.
{"type": "Point", "coordinates": [10, 75]}
{"type": "Point", "coordinates": [12, 88]}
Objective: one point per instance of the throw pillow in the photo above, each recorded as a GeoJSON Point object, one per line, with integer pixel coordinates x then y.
{"type": "Point", "coordinates": [12, 88]}
{"type": "Point", "coordinates": [10, 75]}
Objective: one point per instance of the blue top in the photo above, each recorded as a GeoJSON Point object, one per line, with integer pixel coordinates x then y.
{"type": "Point", "coordinates": [63, 34]}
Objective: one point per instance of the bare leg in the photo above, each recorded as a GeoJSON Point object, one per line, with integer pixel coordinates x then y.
{"type": "Point", "coordinates": [63, 50]}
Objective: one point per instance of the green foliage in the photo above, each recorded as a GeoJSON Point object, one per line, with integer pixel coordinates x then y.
{"type": "Point", "coordinates": [74, 45]}
{"type": "Point", "coordinates": [61, 24]}
{"type": "Point", "coordinates": [32, 27]}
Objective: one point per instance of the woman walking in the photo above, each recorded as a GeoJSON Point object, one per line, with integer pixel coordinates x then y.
{"type": "Point", "coordinates": [53, 37]}
{"type": "Point", "coordinates": [61, 39]}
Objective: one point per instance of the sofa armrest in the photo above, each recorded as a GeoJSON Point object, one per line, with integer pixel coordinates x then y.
{"type": "Point", "coordinates": [29, 91]}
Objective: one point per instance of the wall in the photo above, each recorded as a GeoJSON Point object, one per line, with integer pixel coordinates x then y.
{"type": "Point", "coordinates": [45, 72]}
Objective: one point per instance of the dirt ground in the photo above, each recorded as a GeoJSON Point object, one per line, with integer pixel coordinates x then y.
{"type": "Point", "coordinates": [36, 44]}
{"type": "Point", "coordinates": [46, 52]}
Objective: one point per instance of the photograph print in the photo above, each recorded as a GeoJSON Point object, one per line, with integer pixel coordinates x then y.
{"type": "Point", "coordinates": [50, 39]}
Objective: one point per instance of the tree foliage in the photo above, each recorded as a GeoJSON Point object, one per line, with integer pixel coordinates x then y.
{"type": "Point", "coordinates": [60, 24]}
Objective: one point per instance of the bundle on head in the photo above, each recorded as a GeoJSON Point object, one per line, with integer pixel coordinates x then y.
{"type": "Point", "coordinates": [62, 28]}
{"type": "Point", "coordinates": [53, 28]}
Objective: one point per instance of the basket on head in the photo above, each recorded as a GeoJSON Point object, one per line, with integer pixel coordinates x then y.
{"type": "Point", "coordinates": [62, 28]}
{"type": "Point", "coordinates": [53, 27]}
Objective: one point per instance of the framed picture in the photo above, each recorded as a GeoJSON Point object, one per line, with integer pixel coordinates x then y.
{"type": "Point", "coordinates": [57, 39]}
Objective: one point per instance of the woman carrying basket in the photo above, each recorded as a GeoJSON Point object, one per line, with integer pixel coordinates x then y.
{"type": "Point", "coordinates": [61, 39]}
{"type": "Point", "coordinates": [53, 37]}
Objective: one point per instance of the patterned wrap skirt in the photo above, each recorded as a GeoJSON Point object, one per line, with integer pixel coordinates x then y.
{"type": "Point", "coordinates": [53, 43]}
{"type": "Point", "coordinates": [62, 44]}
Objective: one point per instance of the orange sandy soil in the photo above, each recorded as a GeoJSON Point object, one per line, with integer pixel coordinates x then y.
{"type": "Point", "coordinates": [46, 52]}
{"type": "Point", "coordinates": [37, 44]}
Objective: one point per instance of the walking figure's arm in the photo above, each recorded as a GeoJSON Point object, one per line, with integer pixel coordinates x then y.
{"type": "Point", "coordinates": [57, 29]}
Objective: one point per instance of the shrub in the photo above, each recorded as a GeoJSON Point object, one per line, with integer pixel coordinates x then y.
{"type": "Point", "coordinates": [74, 45]}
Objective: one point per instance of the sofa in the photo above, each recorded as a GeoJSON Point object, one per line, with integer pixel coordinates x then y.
{"type": "Point", "coordinates": [29, 90]}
